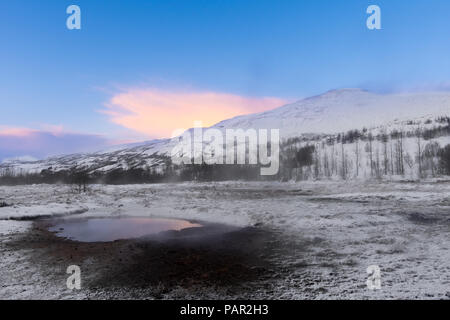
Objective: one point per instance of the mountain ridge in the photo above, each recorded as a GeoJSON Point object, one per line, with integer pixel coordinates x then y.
{"type": "Point", "coordinates": [329, 113]}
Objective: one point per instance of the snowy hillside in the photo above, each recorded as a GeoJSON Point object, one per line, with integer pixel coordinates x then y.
{"type": "Point", "coordinates": [342, 110]}
{"type": "Point", "coordinates": [321, 117]}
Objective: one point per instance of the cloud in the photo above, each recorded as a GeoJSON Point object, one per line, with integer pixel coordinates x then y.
{"type": "Point", "coordinates": [19, 142]}
{"type": "Point", "coordinates": [157, 113]}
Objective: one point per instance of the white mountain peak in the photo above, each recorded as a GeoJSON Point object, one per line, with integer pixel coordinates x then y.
{"type": "Point", "coordinates": [344, 109]}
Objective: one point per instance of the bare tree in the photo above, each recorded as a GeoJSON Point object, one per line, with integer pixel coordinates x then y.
{"type": "Point", "coordinates": [357, 155]}
{"type": "Point", "coordinates": [384, 140]}
{"type": "Point", "coordinates": [402, 167]}
{"type": "Point", "coordinates": [370, 137]}
{"type": "Point", "coordinates": [399, 158]}
{"type": "Point", "coordinates": [326, 165]}
{"type": "Point", "coordinates": [333, 160]}
{"type": "Point", "coordinates": [344, 162]}
{"type": "Point", "coordinates": [392, 158]}
{"type": "Point", "coordinates": [419, 150]}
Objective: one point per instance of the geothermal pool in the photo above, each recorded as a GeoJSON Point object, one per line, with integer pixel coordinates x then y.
{"type": "Point", "coordinates": [111, 229]}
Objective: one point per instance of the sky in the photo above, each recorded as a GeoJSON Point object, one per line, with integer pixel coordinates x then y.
{"type": "Point", "coordinates": [138, 70]}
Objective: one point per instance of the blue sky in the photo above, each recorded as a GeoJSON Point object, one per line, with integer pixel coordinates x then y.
{"type": "Point", "coordinates": [52, 77]}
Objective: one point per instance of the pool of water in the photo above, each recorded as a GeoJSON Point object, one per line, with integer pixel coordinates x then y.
{"type": "Point", "coordinates": [111, 229]}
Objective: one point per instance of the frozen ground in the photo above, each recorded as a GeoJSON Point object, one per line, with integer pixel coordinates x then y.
{"type": "Point", "coordinates": [310, 240]}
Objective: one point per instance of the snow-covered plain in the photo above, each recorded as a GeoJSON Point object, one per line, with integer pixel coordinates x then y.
{"type": "Point", "coordinates": [322, 236]}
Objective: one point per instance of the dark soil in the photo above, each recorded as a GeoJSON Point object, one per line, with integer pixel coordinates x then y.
{"type": "Point", "coordinates": [214, 256]}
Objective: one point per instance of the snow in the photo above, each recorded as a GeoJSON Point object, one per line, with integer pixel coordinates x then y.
{"type": "Point", "coordinates": [11, 227]}
{"type": "Point", "coordinates": [35, 201]}
{"type": "Point", "coordinates": [34, 211]}
{"type": "Point", "coordinates": [20, 159]}
{"type": "Point", "coordinates": [327, 232]}
{"type": "Point", "coordinates": [342, 110]}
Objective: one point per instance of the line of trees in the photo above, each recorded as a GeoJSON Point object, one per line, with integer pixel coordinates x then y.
{"type": "Point", "coordinates": [362, 154]}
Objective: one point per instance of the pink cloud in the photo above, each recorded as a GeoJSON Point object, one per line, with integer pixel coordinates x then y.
{"type": "Point", "coordinates": [27, 132]}
{"type": "Point", "coordinates": [17, 142]}
{"type": "Point", "coordinates": [157, 113]}
{"type": "Point", "coordinates": [11, 131]}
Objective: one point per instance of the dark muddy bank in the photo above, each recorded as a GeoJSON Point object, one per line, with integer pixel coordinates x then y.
{"type": "Point", "coordinates": [213, 258]}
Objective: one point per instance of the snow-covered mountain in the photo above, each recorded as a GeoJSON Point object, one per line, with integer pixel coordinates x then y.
{"type": "Point", "coordinates": [346, 109]}
{"type": "Point", "coordinates": [330, 113]}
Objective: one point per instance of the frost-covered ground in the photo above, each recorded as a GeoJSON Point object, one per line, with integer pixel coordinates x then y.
{"type": "Point", "coordinates": [315, 239]}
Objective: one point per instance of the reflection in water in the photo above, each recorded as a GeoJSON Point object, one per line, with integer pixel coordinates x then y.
{"type": "Point", "coordinates": [110, 229]}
